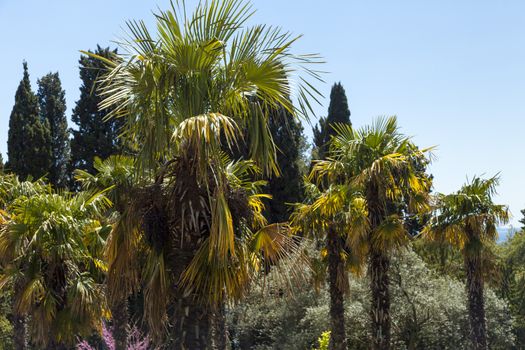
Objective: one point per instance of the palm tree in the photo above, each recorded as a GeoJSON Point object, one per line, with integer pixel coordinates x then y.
{"type": "Point", "coordinates": [12, 188]}
{"type": "Point", "coordinates": [50, 248]}
{"type": "Point", "coordinates": [116, 177]}
{"type": "Point", "coordinates": [468, 219]}
{"type": "Point", "coordinates": [185, 95]}
{"type": "Point", "coordinates": [332, 216]}
{"type": "Point", "coordinates": [383, 167]}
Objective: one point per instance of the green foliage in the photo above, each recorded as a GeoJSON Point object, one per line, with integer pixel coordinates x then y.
{"type": "Point", "coordinates": [51, 249]}
{"type": "Point", "coordinates": [429, 311]}
{"type": "Point", "coordinates": [29, 138]}
{"type": "Point", "coordinates": [522, 220]}
{"type": "Point", "coordinates": [52, 102]}
{"type": "Point", "coordinates": [512, 255]}
{"type": "Point", "coordinates": [441, 257]}
{"type": "Point", "coordinates": [287, 134]}
{"type": "Point", "coordinates": [338, 113]}
{"type": "Point", "coordinates": [95, 136]}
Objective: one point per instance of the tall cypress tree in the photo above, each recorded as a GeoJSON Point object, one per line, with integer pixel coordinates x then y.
{"type": "Point", "coordinates": [287, 133]}
{"type": "Point", "coordinates": [52, 108]}
{"type": "Point", "coordinates": [338, 112]}
{"type": "Point", "coordinates": [95, 136]}
{"type": "Point", "coordinates": [28, 140]}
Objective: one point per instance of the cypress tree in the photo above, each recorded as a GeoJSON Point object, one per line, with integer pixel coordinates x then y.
{"type": "Point", "coordinates": [95, 136]}
{"type": "Point", "coordinates": [28, 140]}
{"type": "Point", "coordinates": [522, 220]}
{"type": "Point", "coordinates": [287, 188]}
{"type": "Point", "coordinates": [52, 108]}
{"type": "Point", "coordinates": [287, 133]}
{"type": "Point", "coordinates": [338, 112]}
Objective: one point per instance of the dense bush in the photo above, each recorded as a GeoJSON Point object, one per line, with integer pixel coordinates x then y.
{"type": "Point", "coordinates": [428, 312]}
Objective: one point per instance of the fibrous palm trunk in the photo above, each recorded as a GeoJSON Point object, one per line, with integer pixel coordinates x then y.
{"type": "Point", "coordinates": [379, 264]}
{"type": "Point", "coordinates": [190, 325]}
{"type": "Point", "coordinates": [120, 316]}
{"type": "Point", "coordinates": [219, 336]}
{"type": "Point", "coordinates": [336, 275]}
{"type": "Point", "coordinates": [476, 302]}
{"type": "Point", "coordinates": [190, 320]}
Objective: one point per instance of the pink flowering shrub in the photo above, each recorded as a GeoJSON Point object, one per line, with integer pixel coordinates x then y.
{"type": "Point", "coordinates": [136, 340]}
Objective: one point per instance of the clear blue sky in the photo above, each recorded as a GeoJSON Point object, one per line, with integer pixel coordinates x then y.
{"type": "Point", "coordinates": [453, 71]}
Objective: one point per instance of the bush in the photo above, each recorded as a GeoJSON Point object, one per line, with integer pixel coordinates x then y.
{"type": "Point", "coordinates": [136, 341]}
{"type": "Point", "coordinates": [428, 312]}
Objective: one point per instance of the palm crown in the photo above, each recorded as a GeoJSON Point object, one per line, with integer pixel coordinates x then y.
{"type": "Point", "coordinates": [379, 165]}
{"type": "Point", "coordinates": [51, 248]}
{"type": "Point", "coordinates": [468, 218]}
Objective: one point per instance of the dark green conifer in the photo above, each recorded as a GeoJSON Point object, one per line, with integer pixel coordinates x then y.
{"type": "Point", "coordinates": [52, 108]}
{"type": "Point", "coordinates": [287, 133]}
{"type": "Point", "coordinates": [94, 135]}
{"type": "Point", "coordinates": [338, 112]}
{"type": "Point", "coordinates": [522, 220]}
{"type": "Point", "coordinates": [28, 140]}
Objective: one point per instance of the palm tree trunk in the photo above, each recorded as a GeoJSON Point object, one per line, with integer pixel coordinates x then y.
{"type": "Point", "coordinates": [190, 319]}
{"type": "Point", "coordinates": [19, 322]}
{"type": "Point", "coordinates": [52, 345]}
{"type": "Point", "coordinates": [379, 264]}
{"type": "Point", "coordinates": [190, 325]}
{"type": "Point", "coordinates": [476, 302]}
{"type": "Point", "coordinates": [219, 335]}
{"type": "Point", "coordinates": [337, 312]}
{"type": "Point", "coordinates": [120, 318]}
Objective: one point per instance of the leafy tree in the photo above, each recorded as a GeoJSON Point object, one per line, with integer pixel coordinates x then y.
{"type": "Point", "coordinates": [52, 109]}
{"type": "Point", "coordinates": [51, 248]}
{"type": "Point", "coordinates": [375, 167]}
{"type": "Point", "coordinates": [338, 113]}
{"type": "Point", "coordinates": [1, 164]}
{"type": "Point", "coordinates": [468, 219]}
{"type": "Point", "coordinates": [200, 221]}
{"type": "Point", "coordinates": [28, 142]}
{"type": "Point", "coordinates": [95, 136]}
